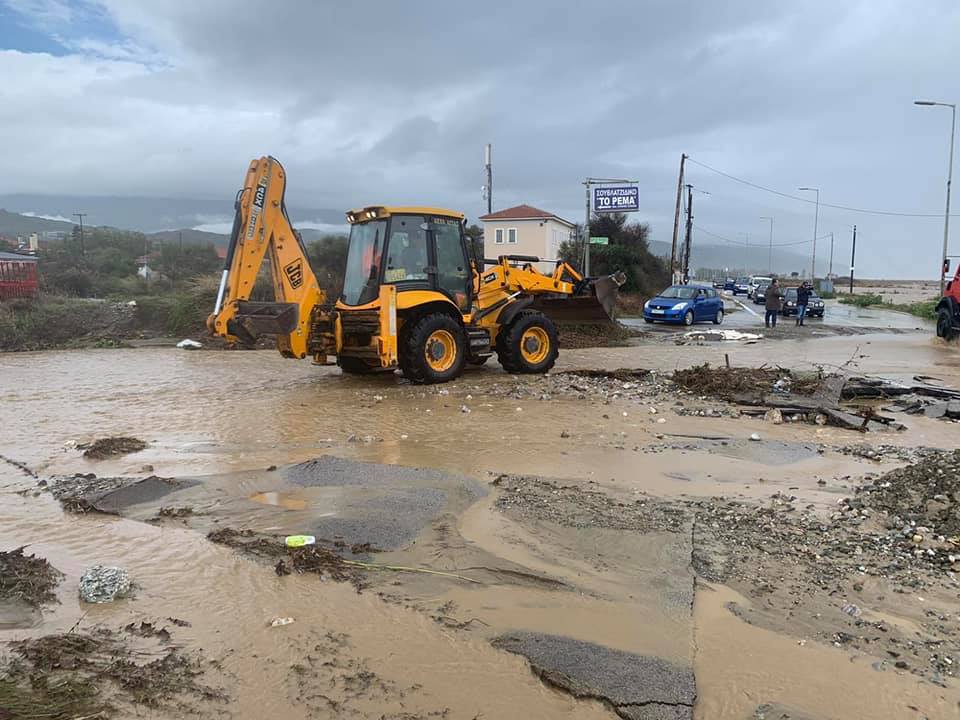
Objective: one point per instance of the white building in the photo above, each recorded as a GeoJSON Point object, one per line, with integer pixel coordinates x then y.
{"type": "Point", "coordinates": [525, 230]}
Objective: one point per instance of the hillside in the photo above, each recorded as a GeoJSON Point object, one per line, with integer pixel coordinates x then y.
{"type": "Point", "coordinates": [189, 236]}
{"type": "Point", "coordinates": [13, 224]}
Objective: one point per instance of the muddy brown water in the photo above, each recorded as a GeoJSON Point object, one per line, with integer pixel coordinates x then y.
{"type": "Point", "coordinates": [223, 414]}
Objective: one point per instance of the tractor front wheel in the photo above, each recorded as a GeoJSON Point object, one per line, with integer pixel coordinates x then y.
{"type": "Point", "coordinates": [433, 349]}
{"type": "Point", "coordinates": [530, 344]}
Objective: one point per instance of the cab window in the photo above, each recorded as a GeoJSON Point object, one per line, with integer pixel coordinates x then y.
{"type": "Point", "coordinates": [407, 258]}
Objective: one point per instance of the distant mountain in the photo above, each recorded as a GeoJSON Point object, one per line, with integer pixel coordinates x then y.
{"type": "Point", "coordinates": [150, 214]}
{"type": "Point", "coordinates": [739, 258]}
{"type": "Point", "coordinates": [189, 236]}
{"type": "Point", "coordinates": [13, 224]}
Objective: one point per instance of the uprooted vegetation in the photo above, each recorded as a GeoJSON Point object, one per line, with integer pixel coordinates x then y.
{"type": "Point", "coordinates": [107, 447]}
{"type": "Point", "coordinates": [27, 578]}
{"type": "Point", "coordinates": [96, 673]}
{"type": "Point", "coordinates": [309, 559]}
{"type": "Point", "coordinates": [729, 382]}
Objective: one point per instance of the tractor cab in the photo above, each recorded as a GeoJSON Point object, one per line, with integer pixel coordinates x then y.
{"type": "Point", "coordinates": [411, 249]}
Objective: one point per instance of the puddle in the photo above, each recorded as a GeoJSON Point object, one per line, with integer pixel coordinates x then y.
{"type": "Point", "coordinates": [277, 499]}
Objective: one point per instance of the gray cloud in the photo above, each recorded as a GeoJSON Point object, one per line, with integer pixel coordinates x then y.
{"type": "Point", "coordinates": [393, 102]}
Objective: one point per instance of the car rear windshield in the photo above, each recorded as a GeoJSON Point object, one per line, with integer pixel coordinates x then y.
{"type": "Point", "coordinates": [684, 292]}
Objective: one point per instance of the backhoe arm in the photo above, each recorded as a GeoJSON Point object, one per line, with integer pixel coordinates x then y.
{"type": "Point", "coordinates": [261, 228]}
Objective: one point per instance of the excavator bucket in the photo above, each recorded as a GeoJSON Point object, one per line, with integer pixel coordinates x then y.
{"type": "Point", "coordinates": [594, 304]}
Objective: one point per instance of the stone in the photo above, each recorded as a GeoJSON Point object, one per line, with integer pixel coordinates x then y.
{"type": "Point", "coordinates": [103, 584]}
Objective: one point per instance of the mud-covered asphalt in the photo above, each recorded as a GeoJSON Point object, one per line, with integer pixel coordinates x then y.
{"type": "Point", "coordinates": [606, 546]}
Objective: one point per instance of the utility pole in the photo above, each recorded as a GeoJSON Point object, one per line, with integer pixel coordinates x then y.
{"type": "Point", "coordinates": [180, 233]}
{"type": "Point", "coordinates": [687, 240]}
{"type": "Point", "coordinates": [853, 257]}
{"type": "Point", "coordinates": [946, 214]}
{"type": "Point", "coordinates": [816, 219]}
{"type": "Point", "coordinates": [81, 216]}
{"type": "Point", "coordinates": [676, 221]}
{"type": "Point", "coordinates": [830, 271]}
{"type": "Point", "coordinates": [488, 188]}
{"type": "Point", "coordinates": [770, 253]}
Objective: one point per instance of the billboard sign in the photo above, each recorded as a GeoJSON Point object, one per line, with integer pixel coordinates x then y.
{"type": "Point", "coordinates": [616, 198]}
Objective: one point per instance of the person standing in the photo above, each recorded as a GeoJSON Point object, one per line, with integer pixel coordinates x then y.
{"type": "Point", "coordinates": [803, 297]}
{"type": "Point", "coordinates": [772, 301]}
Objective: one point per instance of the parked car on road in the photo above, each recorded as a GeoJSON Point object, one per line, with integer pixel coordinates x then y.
{"type": "Point", "coordinates": [760, 295]}
{"type": "Point", "coordinates": [685, 304]}
{"type": "Point", "coordinates": [730, 284]}
{"type": "Point", "coordinates": [756, 281]}
{"type": "Point", "coordinates": [814, 304]}
{"type": "Point", "coordinates": [742, 285]}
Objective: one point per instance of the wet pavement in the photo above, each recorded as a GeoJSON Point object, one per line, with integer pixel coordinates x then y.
{"type": "Point", "coordinates": [281, 447]}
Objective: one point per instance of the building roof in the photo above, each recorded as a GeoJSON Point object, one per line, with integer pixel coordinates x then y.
{"type": "Point", "coordinates": [17, 256]}
{"type": "Point", "coordinates": [524, 212]}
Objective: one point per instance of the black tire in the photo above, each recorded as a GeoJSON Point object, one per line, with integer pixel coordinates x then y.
{"type": "Point", "coordinates": [354, 366]}
{"type": "Point", "coordinates": [420, 338]}
{"type": "Point", "coordinates": [688, 318]}
{"type": "Point", "coordinates": [719, 317]}
{"type": "Point", "coordinates": [511, 339]}
{"type": "Point", "coordinates": [648, 320]}
{"type": "Point", "coordinates": [945, 327]}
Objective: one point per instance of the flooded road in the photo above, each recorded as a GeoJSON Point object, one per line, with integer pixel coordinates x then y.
{"type": "Point", "coordinates": [413, 645]}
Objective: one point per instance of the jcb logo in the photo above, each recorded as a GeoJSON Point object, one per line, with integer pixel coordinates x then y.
{"type": "Point", "coordinates": [294, 273]}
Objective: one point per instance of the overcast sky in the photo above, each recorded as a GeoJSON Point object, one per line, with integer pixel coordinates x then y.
{"type": "Point", "coordinates": [390, 102]}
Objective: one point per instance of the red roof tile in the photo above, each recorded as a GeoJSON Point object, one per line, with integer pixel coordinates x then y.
{"type": "Point", "coordinates": [523, 212]}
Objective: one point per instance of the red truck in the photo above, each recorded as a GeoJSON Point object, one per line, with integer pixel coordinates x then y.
{"type": "Point", "coordinates": [948, 309]}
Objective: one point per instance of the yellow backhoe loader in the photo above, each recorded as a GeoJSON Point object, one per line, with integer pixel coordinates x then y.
{"type": "Point", "coordinates": [413, 298]}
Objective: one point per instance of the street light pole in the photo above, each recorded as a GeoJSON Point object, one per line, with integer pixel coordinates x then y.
{"type": "Point", "coordinates": [816, 220]}
{"type": "Point", "coordinates": [946, 214]}
{"type": "Point", "coordinates": [830, 271]}
{"type": "Point", "coordinates": [770, 254]}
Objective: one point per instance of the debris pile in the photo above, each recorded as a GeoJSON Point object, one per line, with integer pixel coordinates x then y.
{"type": "Point", "coordinates": [27, 578]}
{"type": "Point", "coordinates": [103, 448]}
{"type": "Point", "coordinates": [536, 498]}
{"type": "Point", "coordinates": [730, 383]}
{"type": "Point", "coordinates": [925, 494]}
{"type": "Point", "coordinates": [90, 674]}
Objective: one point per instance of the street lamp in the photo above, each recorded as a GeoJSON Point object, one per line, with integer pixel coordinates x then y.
{"type": "Point", "coordinates": [770, 256]}
{"type": "Point", "coordinates": [816, 220]}
{"type": "Point", "coordinates": [946, 214]}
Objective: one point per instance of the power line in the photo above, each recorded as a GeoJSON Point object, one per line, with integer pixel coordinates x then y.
{"type": "Point", "coordinates": [747, 244]}
{"type": "Point", "coordinates": [811, 202]}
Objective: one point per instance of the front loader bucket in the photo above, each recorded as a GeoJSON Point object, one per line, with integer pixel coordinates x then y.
{"type": "Point", "coordinates": [254, 319]}
{"type": "Point", "coordinates": [596, 303]}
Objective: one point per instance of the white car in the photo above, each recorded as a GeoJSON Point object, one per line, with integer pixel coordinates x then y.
{"type": "Point", "coordinates": [756, 281]}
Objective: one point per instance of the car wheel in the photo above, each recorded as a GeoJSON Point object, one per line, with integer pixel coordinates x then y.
{"type": "Point", "coordinates": [719, 318]}
{"type": "Point", "coordinates": [945, 324]}
{"type": "Point", "coordinates": [688, 317]}
{"type": "Point", "coordinates": [648, 320]}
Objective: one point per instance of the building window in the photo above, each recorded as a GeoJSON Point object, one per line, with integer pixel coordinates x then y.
{"type": "Point", "coordinates": [511, 235]}
{"type": "Point", "coordinates": [498, 238]}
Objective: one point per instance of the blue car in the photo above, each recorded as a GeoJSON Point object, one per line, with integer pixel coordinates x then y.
{"type": "Point", "coordinates": [685, 304]}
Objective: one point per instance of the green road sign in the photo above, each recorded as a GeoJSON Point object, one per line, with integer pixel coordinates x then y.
{"type": "Point", "coordinates": [599, 241]}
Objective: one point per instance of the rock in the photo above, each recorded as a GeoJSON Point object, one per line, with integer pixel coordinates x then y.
{"type": "Point", "coordinates": [774, 415]}
{"type": "Point", "coordinates": [103, 584]}
{"type": "Point", "coordinates": [564, 434]}
{"type": "Point", "coordinates": [755, 437]}
{"type": "Point", "coordinates": [820, 419]}
{"type": "Point", "coordinates": [189, 345]}
{"type": "Point", "coordinates": [937, 410]}
{"type": "Point", "coordinates": [852, 610]}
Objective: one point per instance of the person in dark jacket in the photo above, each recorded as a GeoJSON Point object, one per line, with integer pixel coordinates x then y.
{"type": "Point", "coordinates": [772, 299]}
{"type": "Point", "coordinates": [803, 297]}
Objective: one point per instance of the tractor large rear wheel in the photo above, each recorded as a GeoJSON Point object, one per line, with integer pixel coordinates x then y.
{"type": "Point", "coordinates": [945, 328]}
{"type": "Point", "coordinates": [433, 349]}
{"type": "Point", "coordinates": [530, 344]}
{"type": "Point", "coordinates": [354, 366]}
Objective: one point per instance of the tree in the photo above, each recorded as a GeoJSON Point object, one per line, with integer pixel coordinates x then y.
{"type": "Point", "coordinates": [628, 250]}
{"type": "Point", "coordinates": [474, 237]}
{"type": "Point", "coordinates": [328, 258]}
